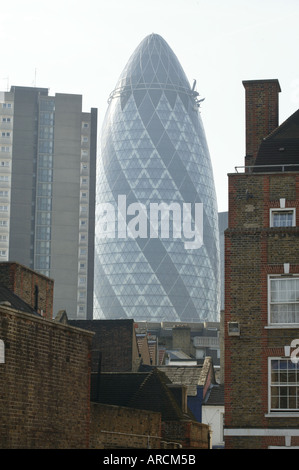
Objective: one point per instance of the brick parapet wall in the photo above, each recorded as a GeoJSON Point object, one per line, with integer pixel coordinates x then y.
{"type": "Point", "coordinates": [44, 383]}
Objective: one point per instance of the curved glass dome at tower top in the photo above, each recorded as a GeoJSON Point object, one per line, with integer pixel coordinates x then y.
{"type": "Point", "coordinates": [154, 154]}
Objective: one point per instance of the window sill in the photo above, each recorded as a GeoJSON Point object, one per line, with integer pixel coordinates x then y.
{"type": "Point", "coordinates": [282, 415]}
{"type": "Point", "coordinates": [282, 326]}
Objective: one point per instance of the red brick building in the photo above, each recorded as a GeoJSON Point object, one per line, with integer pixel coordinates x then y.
{"type": "Point", "coordinates": [262, 280]}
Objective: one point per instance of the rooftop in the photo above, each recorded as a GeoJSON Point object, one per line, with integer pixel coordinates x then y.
{"type": "Point", "coordinates": [281, 147]}
{"type": "Point", "coordinates": [215, 395]}
{"type": "Point", "coordinates": [9, 299]}
{"type": "Point", "coordinates": [144, 390]}
{"type": "Point", "coordinates": [190, 376]}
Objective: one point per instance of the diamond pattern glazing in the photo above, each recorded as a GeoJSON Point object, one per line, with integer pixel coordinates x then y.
{"type": "Point", "coordinates": [153, 149]}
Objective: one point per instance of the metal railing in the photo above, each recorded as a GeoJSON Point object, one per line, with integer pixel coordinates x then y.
{"type": "Point", "coordinates": [283, 167]}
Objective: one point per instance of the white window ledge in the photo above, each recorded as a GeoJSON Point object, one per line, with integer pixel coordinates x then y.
{"type": "Point", "coordinates": [285, 414]}
{"type": "Point", "coordinates": [282, 326]}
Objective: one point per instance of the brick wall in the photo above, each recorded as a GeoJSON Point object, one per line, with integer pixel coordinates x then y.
{"type": "Point", "coordinates": [115, 427]}
{"type": "Point", "coordinates": [44, 383]}
{"type": "Point", "coordinates": [261, 99]}
{"type": "Point", "coordinates": [189, 434]}
{"type": "Point", "coordinates": [114, 344]}
{"type": "Point", "coordinates": [181, 339]}
{"type": "Point", "coordinates": [253, 250]}
{"type": "Point", "coordinates": [23, 282]}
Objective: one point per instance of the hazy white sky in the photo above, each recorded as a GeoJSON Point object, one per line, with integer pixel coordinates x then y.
{"type": "Point", "coordinates": [72, 46]}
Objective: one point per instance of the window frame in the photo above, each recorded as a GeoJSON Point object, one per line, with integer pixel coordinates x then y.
{"type": "Point", "coordinates": [285, 209]}
{"type": "Point", "coordinates": [281, 277]}
{"type": "Point", "coordinates": [281, 412]}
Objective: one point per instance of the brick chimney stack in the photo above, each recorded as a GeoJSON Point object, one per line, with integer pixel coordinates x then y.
{"type": "Point", "coordinates": [261, 111]}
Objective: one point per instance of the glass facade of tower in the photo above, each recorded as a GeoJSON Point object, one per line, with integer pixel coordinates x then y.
{"type": "Point", "coordinates": [154, 150]}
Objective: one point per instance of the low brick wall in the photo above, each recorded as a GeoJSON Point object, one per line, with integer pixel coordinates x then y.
{"type": "Point", "coordinates": [116, 427]}
{"type": "Point", "coordinates": [44, 383]}
{"type": "Point", "coordinates": [189, 434]}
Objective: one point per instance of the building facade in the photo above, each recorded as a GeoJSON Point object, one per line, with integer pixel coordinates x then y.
{"type": "Point", "coordinates": [47, 188]}
{"type": "Point", "coordinates": [155, 166]}
{"type": "Point", "coordinates": [261, 327]}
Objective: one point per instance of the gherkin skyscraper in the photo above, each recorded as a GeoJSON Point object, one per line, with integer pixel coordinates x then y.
{"type": "Point", "coordinates": [154, 154]}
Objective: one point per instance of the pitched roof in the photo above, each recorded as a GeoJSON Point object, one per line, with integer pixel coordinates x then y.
{"type": "Point", "coordinates": [152, 346]}
{"type": "Point", "coordinates": [281, 147]}
{"type": "Point", "coordinates": [161, 355]}
{"type": "Point", "coordinates": [154, 395]}
{"type": "Point", "coordinates": [143, 348]}
{"type": "Point", "coordinates": [10, 299]}
{"type": "Point", "coordinates": [141, 390]}
{"type": "Point", "coordinates": [178, 355]}
{"type": "Point", "coordinates": [115, 388]}
{"type": "Point", "coordinates": [107, 325]}
{"type": "Point", "coordinates": [215, 395]}
{"type": "Point", "coordinates": [190, 376]}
